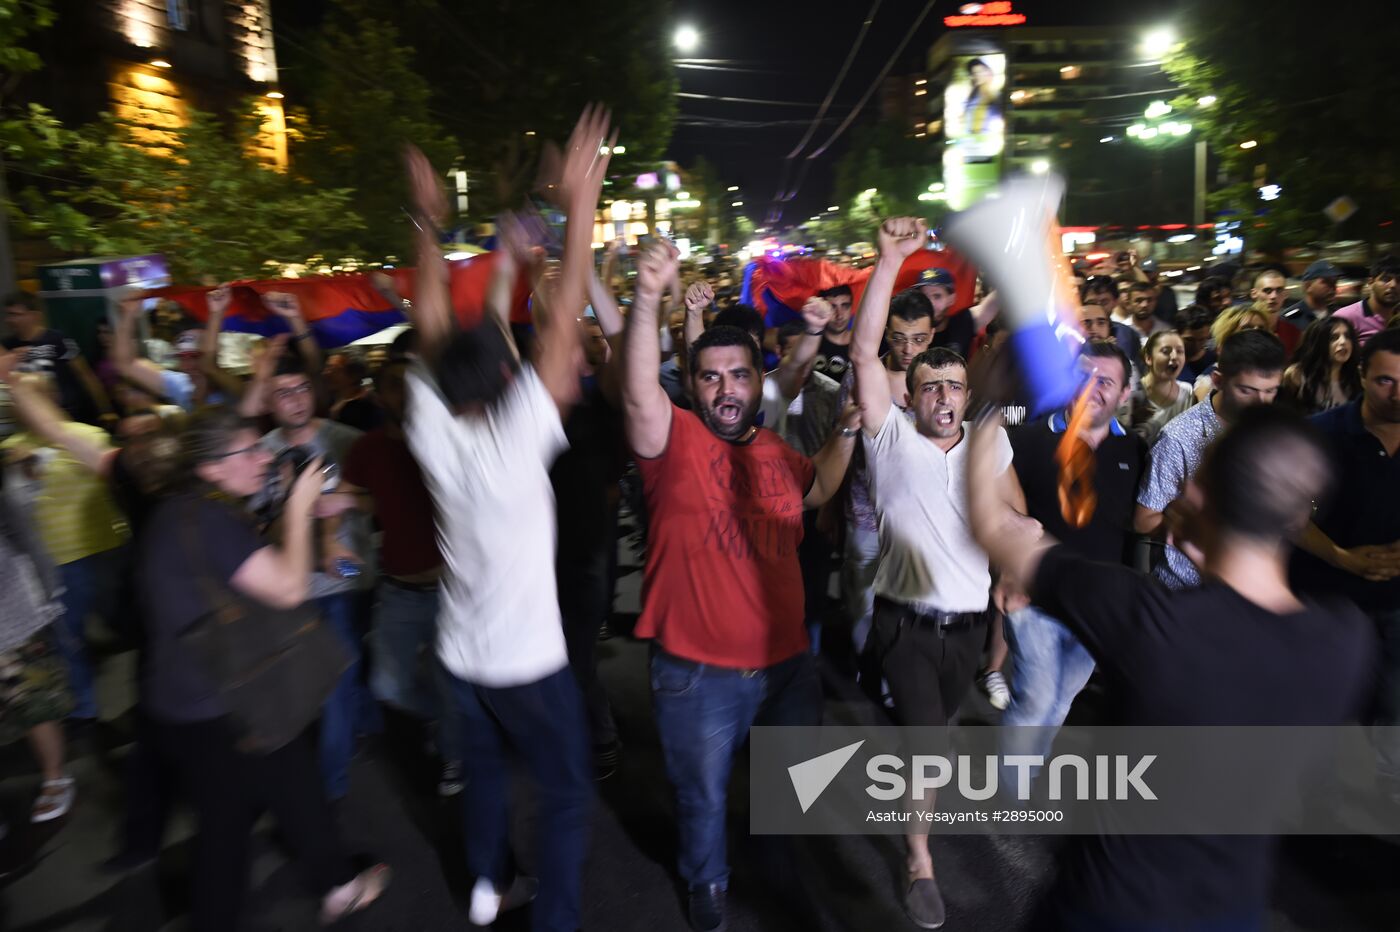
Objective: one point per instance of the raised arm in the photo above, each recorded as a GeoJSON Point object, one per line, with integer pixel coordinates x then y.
{"type": "Point", "coordinates": [288, 307]}
{"type": "Point", "coordinates": [141, 372]}
{"type": "Point", "coordinates": [559, 335]}
{"type": "Point", "coordinates": [217, 301]}
{"type": "Point", "coordinates": [833, 459]}
{"type": "Point", "coordinates": [254, 400]}
{"type": "Point", "coordinates": [985, 312]}
{"type": "Point", "coordinates": [797, 364]}
{"type": "Point", "coordinates": [37, 411]}
{"type": "Point", "coordinates": [899, 238]}
{"type": "Point", "coordinates": [646, 409]}
{"type": "Point", "coordinates": [431, 312]}
{"type": "Point", "coordinates": [1013, 542]}
{"type": "Point", "coordinates": [698, 298]}
{"type": "Point", "coordinates": [276, 575]}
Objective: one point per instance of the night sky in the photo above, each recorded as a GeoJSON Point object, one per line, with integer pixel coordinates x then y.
{"type": "Point", "coordinates": [792, 52]}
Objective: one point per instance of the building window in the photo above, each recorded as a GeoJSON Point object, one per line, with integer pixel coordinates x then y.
{"type": "Point", "coordinates": [177, 14]}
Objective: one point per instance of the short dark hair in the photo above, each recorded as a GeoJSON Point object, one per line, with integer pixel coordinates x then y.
{"type": "Point", "coordinates": [789, 330]}
{"type": "Point", "coordinates": [22, 298]}
{"type": "Point", "coordinates": [1208, 287]}
{"type": "Point", "coordinates": [469, 371]}
{"type": "Point", "coordinates": [744, 317]}
{"type": "Point", "coordinates": [836, 291]}
{"type": "Point", "coordinates": [1192, 317]}
{"type": "Point", "coordinates": [1263, 475]}
{"type": "Point", "coordinates": [209, 431]}
{"type": "Point", "coordinates": [290, 363]}
{"type": "Point", "coordinates": [1387, 341]}
{"type": "Point", "coordinates": [911, 305]}
{"type": "Point", "coordinates": [1142, 286]}
{"type": "Point", "coordinates": [1251, 351]}
{"type": "Point", "coordinates": [1101, 283]}
{"type": "Point", "coordinates": [1107, 349]}
{"type": "Point", "coordinates": [1386, 265]}
{"type": "Point", "coordinates": [405, 344]}
{"type": "Point", "coordinates": [724, 335]}
{"type": "Point", "coordinates": [935, 357]}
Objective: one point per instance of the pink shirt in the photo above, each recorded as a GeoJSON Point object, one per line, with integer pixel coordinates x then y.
{"type": "Point", "coordinates": [1359, 316]}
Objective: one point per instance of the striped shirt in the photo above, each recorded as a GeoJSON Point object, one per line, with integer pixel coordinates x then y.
{"type": "Point", "coordinates": [73, 509]}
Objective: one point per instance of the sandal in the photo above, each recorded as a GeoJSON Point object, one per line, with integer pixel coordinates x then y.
{"type": "Point", "coordinates": [355, 895]}
{"type": "Point", "coordinates": [54, 800]}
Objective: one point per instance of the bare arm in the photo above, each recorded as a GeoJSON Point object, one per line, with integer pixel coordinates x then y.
{"type": "Point", "coordinates": [1146, 521]}
{"type": "Point", "coordinates": [218, 301]}
{"type": "Point", "coordinates": [140, 372]}
{"type": "Point", "coordinates": [1375, 562]}
{"type": "Point", "coordinates": [646, 409]}
{"type": "Point", "coordinates": [698, 298]}
{"type": "Point", "coordinates": [797, 364]}
{"type": "Point", "coordinates": [833, 459]}
{"type": "Point", "coordinates": [899, 238]}
{"type": "Point", "coordinates": [432, 303]}
{"type": "Point", "coordinates": [288, 307]}
{"type": "Point", "coordinates": [559, 334]}
{"type": "Point", "coordinates": [49, 421]}
{"type": "Point", "coordinates": [254, 400]}
{"type": "Point", "coordinates": [277, 575]}
{"type": "Point", "coordinates": [1013, 542]}
{"type": "Point", "coordinates": [986, 312]}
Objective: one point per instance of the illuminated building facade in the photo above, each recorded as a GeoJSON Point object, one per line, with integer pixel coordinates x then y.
{"type": "Point", "coordinates": [149, 61]}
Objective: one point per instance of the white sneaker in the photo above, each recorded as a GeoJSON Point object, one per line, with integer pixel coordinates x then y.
{"type": "Point", "coordinates": [994, 685]}
{"type": "Point", "coordinates": [486, 903]}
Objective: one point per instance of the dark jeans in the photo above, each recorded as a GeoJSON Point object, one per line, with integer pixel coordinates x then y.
{"type": "Point", "coordinates": [86, 587]}
{"type": "Point", "coordinates": [703, 714]}
{"type": "Point", "coordinates": [348, 710]}
{"type": "Point", "coordinates": [543, 723]}
{"type": "Point", "coordinates": [929, 669]}
{"type": "Point", "coordinates": [229, 791]}
{"type": "Point", "coordinates": [585, 602]}
{"type": "Point", "coordinates": [814, 558]}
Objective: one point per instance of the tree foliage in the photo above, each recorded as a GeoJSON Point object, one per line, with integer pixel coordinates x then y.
{"type": "Point", "coordinates": [213, 209]}
{"type": "Point", "coordinates": [1314, 97]}
{"type": "Point", "coordinates": [359, 117]}
{"type": "Point", "coordinates": [18, 20]}
{"type": "Point", "coordinates": [521, 67]}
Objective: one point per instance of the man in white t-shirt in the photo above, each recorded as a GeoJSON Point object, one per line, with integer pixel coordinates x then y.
{"type": "Point", "coordinates": [933, 582]}
{"type": "Point", "coordinates": [485, 429]}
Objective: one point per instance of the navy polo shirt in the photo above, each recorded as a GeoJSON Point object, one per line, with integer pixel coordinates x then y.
{"type": "Point", "coordinates": [1119, 461]}
{"type": "Point", "coordinates": [1364, 509]}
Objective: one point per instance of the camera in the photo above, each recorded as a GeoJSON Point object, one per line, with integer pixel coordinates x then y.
{"type": "Point", "coordinates": [298, 458]}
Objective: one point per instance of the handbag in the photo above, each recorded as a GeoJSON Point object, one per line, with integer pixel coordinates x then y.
{"type": "Point", "coordinates": [274, 668]}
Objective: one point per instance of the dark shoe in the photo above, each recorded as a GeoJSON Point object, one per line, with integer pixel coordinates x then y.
{"type": "Point", "coordinates": [707, 908]}
{"type": "Point", "coordinates": [924, 904]}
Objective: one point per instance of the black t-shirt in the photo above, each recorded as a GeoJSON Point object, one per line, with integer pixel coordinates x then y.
{"type": "Point", "coordinates": [1119, 463]}
{"type": "Point", "coordinates": [1204, 656]}
{"type": "Point", "coordinates": [360, 413]}
{"type": "Point", "coordinates": [171, 573]}
{"type": "Point", "coordinates": [1191, 371]}
{"type": "Point", "coordinates": [53, 353]}
{"type": "Point", "coordinates": [585, 478]}
{"type": "Point", "coordinates": [957, 336]}
{"type": "Point", "coordinates": [833, 359]}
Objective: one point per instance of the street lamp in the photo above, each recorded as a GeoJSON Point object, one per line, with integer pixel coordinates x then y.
{"type": "Point", "coordinates": [1040, 167]}
{"type": "Point", "coordinates": [1157, 43]}
{"type": "Point", "coordinates": [1206, 101]}
{"type": "Point", "coordinates": [686, 39]}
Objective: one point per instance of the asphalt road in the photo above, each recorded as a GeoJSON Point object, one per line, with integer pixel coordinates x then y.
{"type": "Point", "coordinates": [53, 882]}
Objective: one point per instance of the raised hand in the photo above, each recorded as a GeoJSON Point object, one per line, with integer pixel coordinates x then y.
{"type": "Point", "coordinates": [901, 237]}
{"type": "Point", "coordinates": [283, 304]}
{"type": "Point", "coordinates": [585, 161]}
{"type": "Point", "coordinates": [425, 186]}
{"type": "Point", "coordinates": [655, 268]}
{"type": "Point", "coordinates": [817, 313]}
{"type": "Point", "coordinates": [306, 489]}
{"type": "Point", "coordinates": [219, 299]}
{"type": "Point", "coordinates": [699, 296]}
{"type": "Point", "coordinates": [266, 362]}
{"type": "Point", "coordinates": [129, 307]}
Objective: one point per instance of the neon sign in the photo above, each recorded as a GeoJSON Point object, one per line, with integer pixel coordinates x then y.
{"type": "Point", "coordinates": [995, 13]}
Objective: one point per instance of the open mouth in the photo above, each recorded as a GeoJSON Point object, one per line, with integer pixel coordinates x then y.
{"type": "Point", "coordinates": [728, 412]}
{"type": "Point", "coordinates": [943, 417]}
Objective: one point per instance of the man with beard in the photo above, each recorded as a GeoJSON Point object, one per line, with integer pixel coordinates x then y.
{"type": "Point", "coordinates": [933, 582]}
{"type": "Point", "coordinates": [1142, 310]}
{"type": "Point", "coordinates": [1370, 316]}
{"type": "Point", "coordinates": [722, 594]}
{"type": "Point", "coordinates": [1353, 547]}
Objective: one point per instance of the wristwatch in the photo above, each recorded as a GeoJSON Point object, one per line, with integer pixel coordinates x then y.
{"type": "Point", "coordinates": [849, 431]}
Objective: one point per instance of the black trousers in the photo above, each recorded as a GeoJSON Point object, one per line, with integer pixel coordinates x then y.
{"type": "Point", "coordinates": [929, 669]}
{"type": "Point", "coordinates": [229, 791]}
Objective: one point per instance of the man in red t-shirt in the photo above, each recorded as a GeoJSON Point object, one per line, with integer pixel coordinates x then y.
{"type": "Point", "coordinates": [381, 476]}
{"type": "Point", "coordinates": [722, 595]}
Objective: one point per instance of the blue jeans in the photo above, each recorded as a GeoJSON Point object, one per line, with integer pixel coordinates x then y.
{"type": "Point", "coordinates": [1386, 737]}
{"type": "Point", "coordinates": [1051, 667]}
{"type": "Point", "coordinates": [343, 714]}
{"type": "Point", "coordinates": [405, 672]}
{"type": "Point", "coordinates": [703, 714]}
{"type": "Point", "coordinates": [84, 583]}
{"type": "Point", "coordinates": [543, 722]}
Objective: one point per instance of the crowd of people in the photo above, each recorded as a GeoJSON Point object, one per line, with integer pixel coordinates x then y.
{"type": "Point", "coordinates": [438, 536]}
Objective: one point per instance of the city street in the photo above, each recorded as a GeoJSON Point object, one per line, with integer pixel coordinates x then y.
{"type": "Point", "coordinates": [55, 883]}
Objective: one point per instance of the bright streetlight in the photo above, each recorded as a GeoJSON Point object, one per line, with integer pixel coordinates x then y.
{"type": "Point", "coordinates": [1157, 43]}
{"type": "Point", "coordinates": [1040, 167]}
{"type": "Point", "coordinates": [732, 187]}
{"type": "Point", "coordinates": [686, 38]}
{"type": "Point", "coordinates": [737, 204]}
{"type": "Point", "coordinates": [1206, 101]}
{"type": "Point", "coordinates": [1249, 144]}
{"type": "Point", "coordinates": [833, 208]}
{"type": "Point", "coordinates": [1158, 108]}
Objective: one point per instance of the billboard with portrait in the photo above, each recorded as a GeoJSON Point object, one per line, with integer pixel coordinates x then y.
{"type": "Point", "coordinates": [974, 127]}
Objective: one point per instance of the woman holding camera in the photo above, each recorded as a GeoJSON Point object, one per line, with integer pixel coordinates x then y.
{"type": "Point", "coordinates": [196, 541]}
